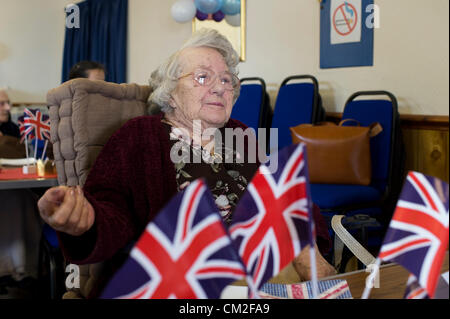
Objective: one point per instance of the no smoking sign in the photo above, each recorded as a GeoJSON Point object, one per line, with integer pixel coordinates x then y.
{"type": "Point", "coordinates": [345, 21]}
{"type": "Point", "coordinates": [345, 18]}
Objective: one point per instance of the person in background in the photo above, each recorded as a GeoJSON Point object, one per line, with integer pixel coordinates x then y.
{"type": "Point", "coordinates": [7, 127]}
{"type": "Point", "coordinates": [88, 69]}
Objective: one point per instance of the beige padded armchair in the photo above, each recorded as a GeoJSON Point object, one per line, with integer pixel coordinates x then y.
{"type": "Point", "coordinates": [83, 115]}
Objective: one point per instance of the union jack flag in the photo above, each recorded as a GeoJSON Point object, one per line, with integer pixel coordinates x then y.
{"type": "Point", "coordinates": [40, 124]}
{"type": "Point", "coordinates": [185, 252]}
{"type": "Point", "coordinates": [273, 220]}
{"type": "Point", "coordinates": [417, 236]}
{"type": "Point", "coordinates": [25, 130]}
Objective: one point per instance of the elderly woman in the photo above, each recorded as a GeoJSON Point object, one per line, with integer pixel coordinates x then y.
{"type": "Point", "coordinates": [134, 175]}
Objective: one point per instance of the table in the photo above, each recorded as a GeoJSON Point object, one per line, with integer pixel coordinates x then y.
{"type": "Point", "coordinates": [393, 279]}
{"type": "Point", "coordinates": [20, 224]}
{"type": "Point", "coordinates": [12, 178]}
{"type": "Point", "coordinates": [29, 183]}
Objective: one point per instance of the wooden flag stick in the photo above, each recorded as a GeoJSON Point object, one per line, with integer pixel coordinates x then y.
{"type": "Point", "coordinates": [45, 149]}
{"type": "Point", "coordinates": [26, 149]}
{"type": "Point", "coordinates": [252, 289]}
{"type": "Point", "coordinates": [315, 285]}
{"type": "Point", "coordinates": [370, 280]}
{"type": "Point", "coordinates": [35, 147]}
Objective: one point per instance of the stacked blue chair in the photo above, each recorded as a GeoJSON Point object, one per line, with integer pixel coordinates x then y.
{"type": "Point", "coordinates": [253, 107]}
{"type": "Point", "coordinates": [351, 200]}
{"type": "Point", "coordinates": [297, 103]}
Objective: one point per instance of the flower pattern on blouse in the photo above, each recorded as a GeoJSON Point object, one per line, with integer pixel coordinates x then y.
{"type": "Point", "coordinates": [227, 179]}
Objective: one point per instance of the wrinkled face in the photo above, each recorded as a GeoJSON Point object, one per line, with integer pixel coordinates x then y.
{"type": "Point", "coordinates": [5, 107]}
{"type": "Point", "coordinates": [191, 101]}
{"type": "Point", "coordinates": [96, 74]}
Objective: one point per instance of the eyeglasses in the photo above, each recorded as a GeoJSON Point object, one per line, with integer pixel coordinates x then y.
{"type": "Point", "coordinates": [2, 103]}
{"type": "Point", "coordinates": [206, 77]}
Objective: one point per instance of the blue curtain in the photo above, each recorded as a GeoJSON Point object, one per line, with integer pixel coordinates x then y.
{"type": "Point", "coordinates": [102, 37]}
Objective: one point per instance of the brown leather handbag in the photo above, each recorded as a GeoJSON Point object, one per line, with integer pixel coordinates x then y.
{"type": "Point", "coordinates": [337, 154]}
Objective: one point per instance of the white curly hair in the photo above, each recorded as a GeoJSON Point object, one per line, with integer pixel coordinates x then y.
{"type": "Point", "coordinates": [164, 79]}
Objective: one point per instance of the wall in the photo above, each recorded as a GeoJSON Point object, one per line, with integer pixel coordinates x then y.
{"type": "Point", "coordinates": [410, 53]}
{"type": "Point", "coordinates": [411, 50]}
{"type": "Point", "coordinates": [152, 36]}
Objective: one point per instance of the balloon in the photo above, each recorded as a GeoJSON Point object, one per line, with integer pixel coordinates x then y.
{"type": "Point", "coordinates": [201, 16]}
{"type": "Point", "coordinates": [183, 11]}
{"type": "Point", "coordinates": [208, 6]}
{"type": "Point", "coordinates": [234, 20]}
{"type": "Point", "coordinates": [218, 16]}
{"type": "Point", "coordinates": [231, 7]}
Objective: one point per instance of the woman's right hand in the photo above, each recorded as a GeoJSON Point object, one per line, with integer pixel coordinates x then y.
{"type": "Point", "coordinates": [66, 210]}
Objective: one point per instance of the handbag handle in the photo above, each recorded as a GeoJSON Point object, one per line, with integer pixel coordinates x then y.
{"type": "Point", "coordinates": [374, 129]}
{"type": "Point", "coordinates": [324, 123]}
{"type": "Point", "coordinates": [349, 120]}
{"type": "Point", "coordinates": [316, 124]}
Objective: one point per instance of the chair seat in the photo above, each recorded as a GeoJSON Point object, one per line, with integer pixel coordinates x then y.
{"type": "Point", "coordinates": [328, 196]}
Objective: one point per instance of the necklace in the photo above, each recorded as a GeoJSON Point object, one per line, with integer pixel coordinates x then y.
{"type": "Point", "coordinates": [208, 154]}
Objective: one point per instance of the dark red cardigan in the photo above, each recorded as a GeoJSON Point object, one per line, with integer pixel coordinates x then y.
{"type": "Point", "coordinates": [131, 180]}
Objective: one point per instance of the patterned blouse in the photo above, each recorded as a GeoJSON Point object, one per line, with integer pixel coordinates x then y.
{"type": "Point", "coordinates": [226, 178]}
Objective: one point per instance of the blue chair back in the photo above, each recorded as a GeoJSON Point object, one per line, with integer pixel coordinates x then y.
{"type": "Point", "coordinates": [39, 145]}
{"type": "Point", "coordinates": [50, 235]}
{"type": "Point", "coordinates": [249, 107]}
{"type": "Point", "coordinates": [296, 104]}
{"type": "Point", "coordinates": [384, 112]}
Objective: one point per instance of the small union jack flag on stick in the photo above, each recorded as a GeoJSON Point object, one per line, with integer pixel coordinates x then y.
{"type": "Point", "coordinates": [417, 237]}
{"type": "Point", "coordinates": [25, 129]}
{"type": "Point", "coordinates": [273, 220]}
{"type": "Point", "coordinates": [37, 126]}
{"type": "Point", "coordinates": [185, 252]}
{"type": "Point", "coordinates": [39, 122]}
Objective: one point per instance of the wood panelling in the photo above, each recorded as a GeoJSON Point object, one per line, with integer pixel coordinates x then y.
{"type": "Point", "coordinates": [426, 143]}
{"type": "Point", "coordinates": [427, 151]}
{"type": "Point", "coordinates": [425, 122]}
